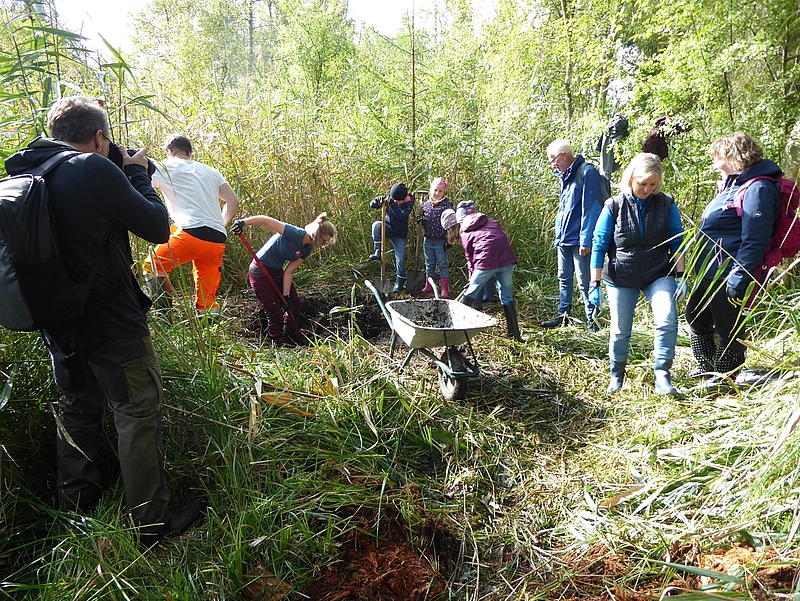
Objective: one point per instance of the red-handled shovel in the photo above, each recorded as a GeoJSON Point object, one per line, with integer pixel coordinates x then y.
{"type": "Point", "coordinates": [263, 269]}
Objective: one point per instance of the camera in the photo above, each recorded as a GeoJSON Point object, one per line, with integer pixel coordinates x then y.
{"type": "Point", "coordinates": [115, 157]}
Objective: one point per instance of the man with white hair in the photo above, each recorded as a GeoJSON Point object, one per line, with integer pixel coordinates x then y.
{"type": "Point", "coordinates": [580, 201]}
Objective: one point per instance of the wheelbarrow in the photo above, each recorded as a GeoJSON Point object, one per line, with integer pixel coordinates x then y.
{"type": "Point", "coordinates": [437, 323]}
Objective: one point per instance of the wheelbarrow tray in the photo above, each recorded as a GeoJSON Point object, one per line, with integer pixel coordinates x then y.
{"type": "Point", "coordinates": [436, 322]}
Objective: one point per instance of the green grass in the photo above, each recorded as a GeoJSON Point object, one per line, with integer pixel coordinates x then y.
{"type": "Point", "coordinates": [504, 492]}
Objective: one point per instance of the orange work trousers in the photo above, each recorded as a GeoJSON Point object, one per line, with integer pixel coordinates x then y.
{"type": "Point", "coordinates": [206, 259]}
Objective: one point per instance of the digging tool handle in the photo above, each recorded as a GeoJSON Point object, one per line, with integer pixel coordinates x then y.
{"type": "Point", "coordinates": [263, 269]}
{"type": "Point", "coordinates": [384, 286]}
{"type": "Point", "coordinates": [416, 245]}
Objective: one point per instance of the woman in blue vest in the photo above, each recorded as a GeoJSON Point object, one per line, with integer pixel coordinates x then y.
{"type": "Point", "coordinates": [282, 254]}
{"type": "Point", "coordinates": [641, 232]}
{"type": "Point", "coordinates": [730, 249]}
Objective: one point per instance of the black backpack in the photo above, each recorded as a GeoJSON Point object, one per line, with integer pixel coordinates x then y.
{"type": "Point", "coordinates": [605, 183]}
{"type": "Point", "coordinates": [36, 291]}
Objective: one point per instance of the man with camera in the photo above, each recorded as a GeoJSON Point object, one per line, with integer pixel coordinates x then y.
{"type": "Point", "coordinates": [193, 191]}
{"type": "Point", "coordinates": [107, 353]}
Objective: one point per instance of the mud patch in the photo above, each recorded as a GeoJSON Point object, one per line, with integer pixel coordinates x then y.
{"type": "Point", "coordinates": [378, 562]}
{"type": "Point", "coordinates": [322, 315]}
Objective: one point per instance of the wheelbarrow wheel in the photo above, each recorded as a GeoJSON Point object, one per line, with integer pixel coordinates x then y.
{"type": "Point", "coordinates": [453, 389]}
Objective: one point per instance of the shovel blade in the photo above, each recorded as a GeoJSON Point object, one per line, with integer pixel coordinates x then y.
{"type": "Point", "coordinates": [415, 280]}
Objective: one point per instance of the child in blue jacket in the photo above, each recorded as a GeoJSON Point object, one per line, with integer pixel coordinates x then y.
{"type": "Point", "coordinates": [399, 204]}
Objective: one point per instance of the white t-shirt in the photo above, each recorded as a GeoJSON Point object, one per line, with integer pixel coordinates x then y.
{"type": "Point", "coordinates": [191, 190]}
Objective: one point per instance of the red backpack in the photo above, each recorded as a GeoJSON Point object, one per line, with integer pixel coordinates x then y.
{"type": "Point", "coordinates": [785, 240]}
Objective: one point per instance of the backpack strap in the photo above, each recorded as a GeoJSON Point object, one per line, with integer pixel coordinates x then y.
{"type": "Point", "coordinates": [738, 198]}
{"type": "Point", "coordinates": [53, 161]}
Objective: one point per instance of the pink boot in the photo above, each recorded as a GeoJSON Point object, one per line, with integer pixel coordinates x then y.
{"type": "Point", "coordinates": [444, 283]}
{"type": "Point", "coordinates": [427, 289]}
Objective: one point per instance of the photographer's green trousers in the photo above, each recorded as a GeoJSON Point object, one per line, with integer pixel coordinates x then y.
{"type": "Point", "coordinates": [125, 372]}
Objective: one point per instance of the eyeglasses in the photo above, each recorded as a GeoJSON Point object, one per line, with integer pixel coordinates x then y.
{"type": "Point", "coordinates": [324, 241]}
{"type": "Point", "coordinates": [109, 140]}
{"type": "Point", "coordinates": [555, 158]}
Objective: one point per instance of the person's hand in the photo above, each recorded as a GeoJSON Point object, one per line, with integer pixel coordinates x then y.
{"type": "Point", "coordinates": [421, 219]}
{"type": "Point", "coordinates": [238, 227]}
{"type": "Point", "coordinates": [681, 288]}
{"type": "Point", "coordinates": [596, 295]}
{"type": "Point", "coordinates": [447, 246]}
{"type": "Point", "coordinates": [735, 297]}
{"type": "Point", "coordinates": [138, 158]}
{"type": "Point", "coordinates": [584, 250]}
{"type": "Point", "coordinates": [285, 303]}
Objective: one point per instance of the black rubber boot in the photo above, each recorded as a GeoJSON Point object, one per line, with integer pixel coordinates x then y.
{"type": "Point", "coordinates": [704, 348]}
{"type": "Point", "coordinates": [560, 320]}
{"type": "Point", "coordinates": [512, 323]}
{"type": "Point", "coordinates": [465, 300]}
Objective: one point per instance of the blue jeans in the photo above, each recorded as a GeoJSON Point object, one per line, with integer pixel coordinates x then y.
{"type": "Point", "coordinates": [622, 303]}
{"type": "Point", "coordinates": [571, 262]}
{"type": "Point", "coordinates": [505, 281]}
{"type": "Point", "coordinates": [485, 294]}
{"type": "Point", "coordinates": [435, 256]}
{"type": "Point", "coordinates": [399, 248]}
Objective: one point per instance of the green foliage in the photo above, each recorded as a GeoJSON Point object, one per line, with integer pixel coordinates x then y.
{"type": "Point", "coordinates": [303, 113]}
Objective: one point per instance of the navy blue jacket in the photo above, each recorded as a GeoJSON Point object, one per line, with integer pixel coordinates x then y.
{"type": "Point", "coordinates": [578, 207]}
{"type": "Point", "coordinates": [396, 216]}
{"type": "Point", "coordinates": [734, 246]}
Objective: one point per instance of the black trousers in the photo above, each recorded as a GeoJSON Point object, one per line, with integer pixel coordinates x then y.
{"type": "Point", "coordinates": [125, 373]}
{"type": "Point", "coordinates": [708, 312]}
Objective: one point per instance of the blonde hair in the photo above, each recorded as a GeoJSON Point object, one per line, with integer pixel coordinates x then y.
{"type": "Point", "coordinates": [321, 227]}
{"type": "Point", "coordinates": [436, 182]}
{"type": "Point", "coordinates": [737, 150]}
{"type": "Point", "coordinates": [454, 233]}
{"type": "Point", "coordinates": [643, 164]}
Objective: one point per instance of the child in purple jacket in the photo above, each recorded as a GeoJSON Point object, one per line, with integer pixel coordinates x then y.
{"type": "Point", "coordinates": [488, 253]}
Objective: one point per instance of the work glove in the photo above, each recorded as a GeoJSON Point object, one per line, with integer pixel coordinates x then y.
{"type": "Point", "coordinates": [421, 219]}
{"type": "Point", "coordinates": [681, 287]}
{"type": "Point", "coordinates": [285, 304]}
{"type": "Point", "coordinates": [596, 295]}
{"type": "Point", "coordinates": [735, 297]}
{"type": "Point", "coordinates": [447, 246]}
{"type": "Point", "coordinates": [238, 227]}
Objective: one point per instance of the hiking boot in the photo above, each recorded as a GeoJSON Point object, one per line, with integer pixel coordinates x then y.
{"type": "Point", "coordinates": [560, 320]}
{"type": "Point", "coordinates": [177, 520]}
